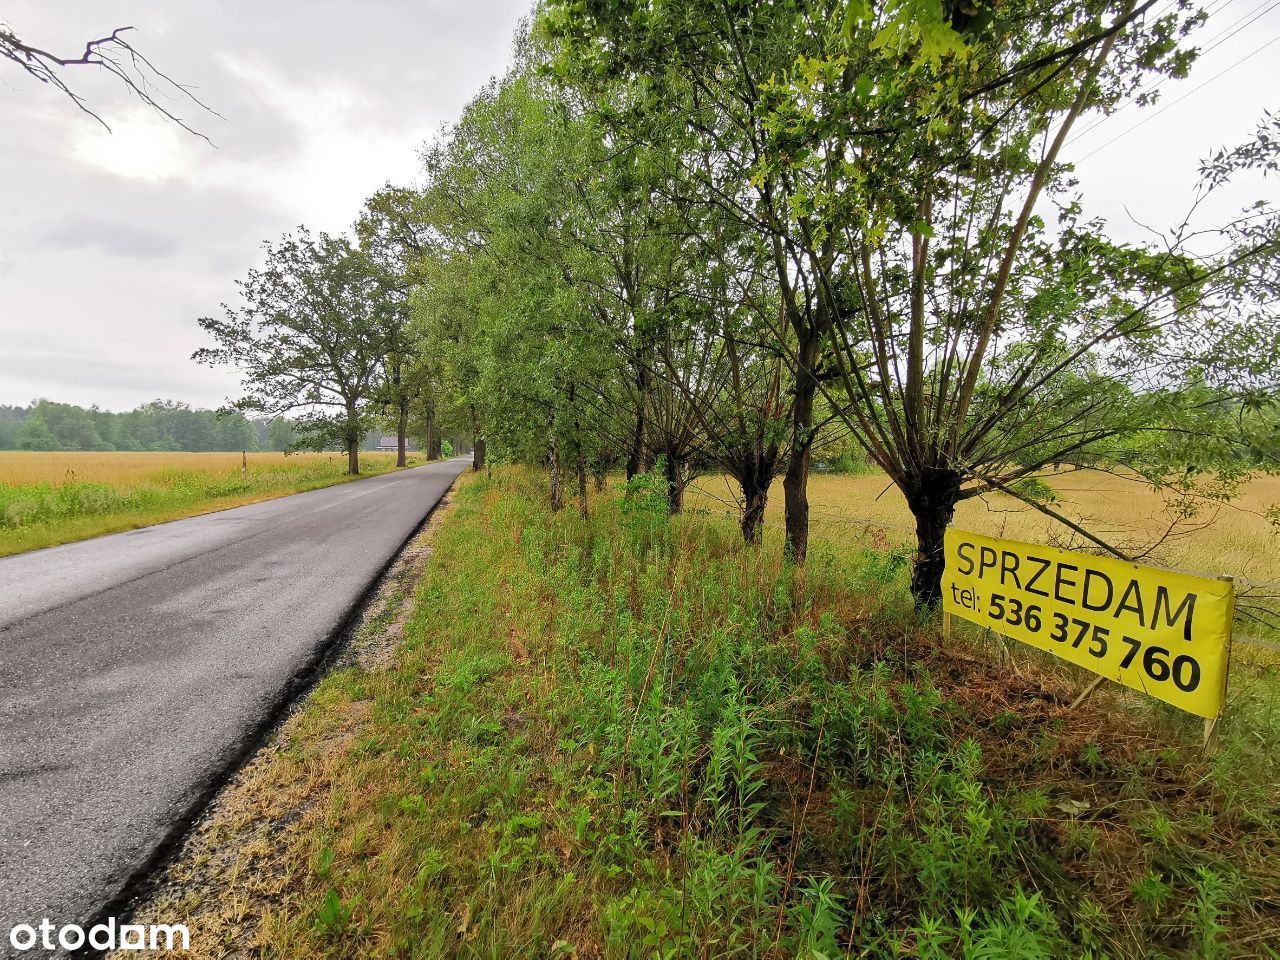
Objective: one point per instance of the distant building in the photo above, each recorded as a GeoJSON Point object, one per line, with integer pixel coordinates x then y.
{"type": "Point", "coordinates": [389, 445]}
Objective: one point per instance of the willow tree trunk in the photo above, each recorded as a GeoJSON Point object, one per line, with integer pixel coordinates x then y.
{"type": "Point", "coordinates": [635, 454]}
{"type": "Point", "coordinates": [795, 483]}
{"type": "Point", "coordinates": [477, 447]}
{"type": "Point", "coordinates": [553, 462]}
{"type": "Point", "coordinates": [675, 485]}
{"type": "Point", "coordinates": [755, 498]}
{"type": "Point", "coordinates": [932, 499]}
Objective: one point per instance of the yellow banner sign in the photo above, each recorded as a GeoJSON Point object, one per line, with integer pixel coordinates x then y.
{"type": "Point", "coordinates": [1164, 633]}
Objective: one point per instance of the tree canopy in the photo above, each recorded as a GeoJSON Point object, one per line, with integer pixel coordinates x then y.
{"type": "Point", "coordinates": [717, 236]}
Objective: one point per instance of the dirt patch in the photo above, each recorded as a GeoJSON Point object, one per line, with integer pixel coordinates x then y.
{"type": "Point", "coordinates": [238, 863]}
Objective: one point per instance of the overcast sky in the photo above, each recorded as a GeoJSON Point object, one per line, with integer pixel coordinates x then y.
{"type": "Point", "coordinates": [112, 244]}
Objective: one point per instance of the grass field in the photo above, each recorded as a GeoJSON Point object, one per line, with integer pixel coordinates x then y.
{"type": "Point", "coordinates": [52, 498]}
{"type": "Point", "coordinates": [631, 737]}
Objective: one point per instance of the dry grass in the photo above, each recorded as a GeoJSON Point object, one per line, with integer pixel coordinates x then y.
{"type": "Point", "coordinates": [1233, 539]}
{"type": "Point", "coordinates": [21, 467]}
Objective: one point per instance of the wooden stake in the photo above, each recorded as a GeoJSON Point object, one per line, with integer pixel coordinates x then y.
{"type": "Point", "coordinates": [1210, 729]}
{"type": "Point", "coordinates": [1087, 692]}
{"type": "Point", "coordinates": [1211, 724]}
{"type": "Point", "coordinates": [946, 625]}
{"type": "Point", "coordinates": [1008, 654]}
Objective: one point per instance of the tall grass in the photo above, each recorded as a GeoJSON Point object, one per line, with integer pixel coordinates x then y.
{"type": "Point", "coordinates": [107, 492]}
{"type": "Point", "coordinates": [634, 737]}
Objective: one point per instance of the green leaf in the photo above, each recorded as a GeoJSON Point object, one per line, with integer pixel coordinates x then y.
{"type": "Point", "coordinates": [855, 12]}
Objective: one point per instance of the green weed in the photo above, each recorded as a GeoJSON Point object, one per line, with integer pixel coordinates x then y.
{"type": "Point", "coordinates": [632, 736]}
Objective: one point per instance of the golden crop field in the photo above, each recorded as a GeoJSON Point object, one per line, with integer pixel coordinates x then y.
{"type": "Point", "coordinates": [1234, 539]}
{"type": "Point", "coordinates": [52, 498]}
{"type": "Point", "coordinates": [22, 467]}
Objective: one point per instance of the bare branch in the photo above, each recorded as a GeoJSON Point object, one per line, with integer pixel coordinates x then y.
{"type": "Point", "coordinates": [115, 55]}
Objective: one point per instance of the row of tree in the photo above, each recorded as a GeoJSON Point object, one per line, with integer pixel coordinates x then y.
{"type": "Point", "coordinates": [166, 425]}
{"type": "Point", "coordinates": [718, 234]}
{"type": "Point", "coordinates": [322, 335]}
{"type": "Point", "coordinates": [159, 425]}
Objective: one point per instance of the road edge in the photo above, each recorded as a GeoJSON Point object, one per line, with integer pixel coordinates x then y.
{"type": "Point", "coordinates": [145, 879]}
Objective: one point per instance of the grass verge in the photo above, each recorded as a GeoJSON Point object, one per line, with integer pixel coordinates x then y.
{"type": "Point", "coordinates": [45, 514]}
{"type": "Point", "coordinates": [633, 737]}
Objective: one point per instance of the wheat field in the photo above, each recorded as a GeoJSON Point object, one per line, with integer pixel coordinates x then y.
{"type": "Point", "coordinates": [21, 467]}
{"type": "Point", "coordinates": [1233, 539]}
{"type": "Point", "coordinates": [847, 509]}
{"type": "Point", "coordinates": [52, 498]}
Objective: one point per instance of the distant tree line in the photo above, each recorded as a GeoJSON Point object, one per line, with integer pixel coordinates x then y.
{"type": "Point", "coordinates": [169, 425]}
{"type": "Point", "coordinates": [158, 425]}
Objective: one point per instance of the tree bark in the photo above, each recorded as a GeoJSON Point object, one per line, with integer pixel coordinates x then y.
{"type": "Point", "coordinates": [795, 483]}
{"type": "Point", "coordinates": [755, 498]}
{"type": "Point", "coordinates": [553, 460]}
{"type": "Point", "coordinates": [675, 485]}
{"type": "Point", "coordinates": [582, 482]}
{"type": "Point", "coordinates": [635, 456]}
{"type": "Point", "coordinates": [402, 430]}
{"type": "Point", "coordinates": [353, 441]}
{"type": "Point", "coordinates": [932, 500]}
{"type": "Point", "coordinates": [477, 446]}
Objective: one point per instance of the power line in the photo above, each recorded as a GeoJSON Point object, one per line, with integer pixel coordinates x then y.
{"type": "Point", "coordinates": [1214, 42]}
{"type": "Point", "coordinates": [1174, 103]}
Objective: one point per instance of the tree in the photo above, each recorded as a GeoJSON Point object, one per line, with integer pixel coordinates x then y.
{"type": "Point", "coordinates": [281, 435]}
{"type": "Point", "coordinates": [502, 305]}
{"type": "Point", "coordinates": [393, 238]}
{"type": "Point", "coordinates": [307, 339]}
{"type": "Point", "coordinates": [696, 76]}
{"type": "Point", "coordinates": [34, 434]}
{"type": "Point", "coordinates": [234, 431]}
{"type": "Point", "coordinates": [977, 345]}
{"type": "Point", "coordinates": [11, 418]}
{"type": "Point", "coordinates": [72, 427]}
{"type": "Point", "coordinates": [895, 161]}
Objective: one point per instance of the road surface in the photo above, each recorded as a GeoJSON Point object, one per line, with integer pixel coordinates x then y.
{"type": "Point", "coordinates": [137, 669]}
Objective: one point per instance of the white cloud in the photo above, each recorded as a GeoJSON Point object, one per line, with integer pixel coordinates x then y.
{"type": "Point", "coordinates": [113, 244]}
{"type": "Point", "coordinates": [342, 152]}
{"type": "Point", "coordinates": [139, 146]}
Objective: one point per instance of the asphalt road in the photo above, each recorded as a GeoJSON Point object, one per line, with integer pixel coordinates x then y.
{"type": "Point", "coordinates": [137, 669]}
